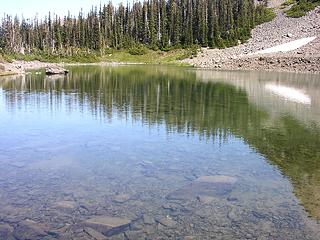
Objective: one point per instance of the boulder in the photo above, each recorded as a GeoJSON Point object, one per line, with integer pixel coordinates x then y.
{"type": "Point", "coordinates": [53, 70]}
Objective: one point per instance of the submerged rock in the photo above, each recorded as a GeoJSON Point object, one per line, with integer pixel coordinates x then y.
{"type": "Point", "coordinates": [204, 187]}
{"type": "Point", "coordinates": [6, 232]}
{"type": "Point", "coordinates": [121, 198]}
{"type": "Point", "coordinates": [217, 179]}
{"type": "Point", "coordinates": [108, 225]}
{"type": "Point", "coordinates": [206, 199]}
{"type": "Point", "coordinates": [66, 204]}
{"type": "Point", "coordinates": [95, 234]}
{"type": "Point", "coordinates": [133, 235]}
{"type": "Point", "coordinates": [147, 219]}
{"type": "Point", "coordinates": [166, 221]}
{"type": "Point", "coordinates": [29, 229]}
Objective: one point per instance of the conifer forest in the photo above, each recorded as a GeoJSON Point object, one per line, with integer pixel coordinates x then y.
{"type": "Point", "coordinates": [156, 24]}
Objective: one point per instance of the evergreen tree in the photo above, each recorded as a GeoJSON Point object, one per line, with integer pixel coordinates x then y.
{"type": "Point", "coordinates": [154, 23]}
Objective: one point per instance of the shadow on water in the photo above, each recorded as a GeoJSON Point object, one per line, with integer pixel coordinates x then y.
{"type": "Point", "coordinates": [211, 105]}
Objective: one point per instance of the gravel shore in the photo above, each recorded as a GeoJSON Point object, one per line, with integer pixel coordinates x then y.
{"type": "Point", "coordinates": [280, 30]}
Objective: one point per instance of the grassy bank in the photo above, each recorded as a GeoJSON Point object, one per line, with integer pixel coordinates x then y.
{"type": "Point", "coordinates": [138, 55]}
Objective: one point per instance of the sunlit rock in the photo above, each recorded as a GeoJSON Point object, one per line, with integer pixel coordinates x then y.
{"type": "Point", "coordinates": [108, 225]}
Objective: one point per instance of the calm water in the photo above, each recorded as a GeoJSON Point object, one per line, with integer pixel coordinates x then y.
{"type": "Point", "coordinates": [159, 153]}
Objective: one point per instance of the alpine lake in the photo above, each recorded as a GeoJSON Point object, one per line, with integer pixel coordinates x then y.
{"type": "Point", "coordinates": [159, 152]}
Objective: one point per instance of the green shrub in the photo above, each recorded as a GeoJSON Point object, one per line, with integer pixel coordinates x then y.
{"type": "Point", "coordinates": [288, 3]}
{"type": "Point", "coordinates": [301, 8]}
{"type": "Point", "coordinates": [265, 15]}
{"type": "Point", "coordinates": [138, 50]}
{"type": "Point", "coordinates": [166, 48]}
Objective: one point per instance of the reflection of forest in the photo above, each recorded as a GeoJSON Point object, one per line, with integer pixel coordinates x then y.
{"type": "Point", "coordinates": [178, 99]}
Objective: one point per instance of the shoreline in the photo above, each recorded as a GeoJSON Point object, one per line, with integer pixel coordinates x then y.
{"type": "Point", "coordinates": [20, 67]}
{"type": "Point", "coordinates": [290, 64]}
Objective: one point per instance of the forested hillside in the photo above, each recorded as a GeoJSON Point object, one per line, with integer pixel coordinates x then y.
{"type": "Point", "coordinates": [157, 24]}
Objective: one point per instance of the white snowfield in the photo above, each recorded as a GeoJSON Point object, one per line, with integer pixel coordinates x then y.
{"type": "Point", "coordinates": [289, 46]}
{"type": "Point", "coordinates": [289, 93]}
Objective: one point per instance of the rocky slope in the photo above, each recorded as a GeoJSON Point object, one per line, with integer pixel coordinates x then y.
{"type": "Point", "coordinates": [280, 30]}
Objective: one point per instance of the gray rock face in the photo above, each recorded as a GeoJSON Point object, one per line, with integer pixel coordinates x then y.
{"type": "Point", "coordinates": [108, 225]}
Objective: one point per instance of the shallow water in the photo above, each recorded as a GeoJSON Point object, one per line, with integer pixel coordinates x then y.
{"type": "Point", "coordinates": [159, 153]}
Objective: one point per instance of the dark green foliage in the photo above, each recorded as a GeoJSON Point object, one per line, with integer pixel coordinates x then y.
{"type": "Point", "coordinates": [300, 8]}
{"type": "Point", "coordinates": [288, 3]}
{"type": "Point", "coordinates": [157, 24]}
{"type": "Point", "coordinates": [139, 49]}
{"type": "Point", "coordinates": [266, 15]}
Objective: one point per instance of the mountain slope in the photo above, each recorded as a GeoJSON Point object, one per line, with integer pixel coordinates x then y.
{"type": "Point", "coordinates": [280, 30]}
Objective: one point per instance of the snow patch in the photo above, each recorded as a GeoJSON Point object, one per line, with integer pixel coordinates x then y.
{"type": "Point", "coordinates": [289, 46]}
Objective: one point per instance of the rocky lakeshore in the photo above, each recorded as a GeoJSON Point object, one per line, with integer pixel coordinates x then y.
{"type": "Point", "coordinates": [303, 64]}
{"type": "Point", "coordinates": [279, 31]}
{"type": "Point", "coordinates": [19, 67]}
